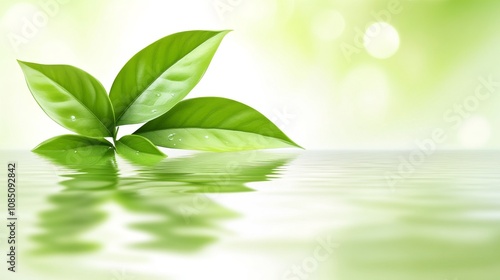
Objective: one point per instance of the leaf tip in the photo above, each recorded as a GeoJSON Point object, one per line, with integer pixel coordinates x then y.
{"type": "Point", "coordinates": [292, 144]}
{"type": "Point", "coordinates": [21, 63]}
{"type": "Point", "coordinates": [298, 146]}
{"type": "Point", "coordinates": [225, 32]}
{"type": "Point", "coordinates": [40, 147]}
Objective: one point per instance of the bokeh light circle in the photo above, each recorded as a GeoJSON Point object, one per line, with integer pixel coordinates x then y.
{"type": "Point", "coordinates": [381, 40]}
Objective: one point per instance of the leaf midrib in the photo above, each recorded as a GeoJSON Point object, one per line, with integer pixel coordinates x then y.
{"type": "Point", "coordinates": [213, 128]}
{"type": "Point", "coordinates": [163, 72]}
{"type": "Point", "coordinates": [74, 97]}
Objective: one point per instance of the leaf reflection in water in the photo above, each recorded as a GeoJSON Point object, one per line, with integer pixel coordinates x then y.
{"type": "Point", "coordinates": [175, 190]}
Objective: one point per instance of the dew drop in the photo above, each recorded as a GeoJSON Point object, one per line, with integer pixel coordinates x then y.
{"type": "Point", "coordinates": [136, 152]}
{"type": "Point", "coordinates": [175, 144]}
{"type": "Point", "coordinates": [206, 136]}
{"type": "Point", "coordinates": [153, 111]}
{"type": "Point", "coordinates": [171, 136]}
{"type": "Point", "coordinates": [75, 151]}
{"type": "Point", "coordinates": [180, 139]}
{"type": "Point", "coordinates": [73, 118]}
{"type": "Point", "coordinates": [157, 95]}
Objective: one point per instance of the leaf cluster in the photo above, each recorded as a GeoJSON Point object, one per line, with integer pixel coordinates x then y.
{"type": "Point", "coordinates": [149, 89]}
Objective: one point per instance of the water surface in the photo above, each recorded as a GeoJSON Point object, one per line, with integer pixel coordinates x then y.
{"type": "Point", "coordinates": [258, 215]}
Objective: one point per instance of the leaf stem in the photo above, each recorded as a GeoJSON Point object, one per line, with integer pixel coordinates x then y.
{"type": "Point", "coordinates": [116, 134]}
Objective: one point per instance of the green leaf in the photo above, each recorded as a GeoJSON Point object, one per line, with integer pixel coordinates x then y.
{"type": "Point", "coordinates": [214, 124]}
{"type": "Point", "coordinates": [138, 150]}
{"type": "Point", "coordinates": [71, 97]}
{"type": "Point", "coordinates": [162, 74]}
{"type": "Point", "coordinates": [76, 150]}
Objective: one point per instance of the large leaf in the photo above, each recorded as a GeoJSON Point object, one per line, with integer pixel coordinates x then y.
{"type": "Point", "coordinates": [214, 124]}
{"type": "Point", "coordinates": [138, 150]}
{"type": "Point", "coordinates": [76, 150]}
{"type": "Point", "coordinates": [162, 74]}
{"type": "Point", "coordinates": [71, 97]}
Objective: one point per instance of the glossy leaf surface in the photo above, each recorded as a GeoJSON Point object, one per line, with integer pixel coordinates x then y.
{"type": "Point", "coordinates": [71, 97]}
{"type": "Point", "coordinates": [214, 124]}
{"type": "Point", "coordinates": [162, 74]}
{"type": "Point", "coordinates": [138, 150]}
{"type": "Point", "coordinates": [76, 150]}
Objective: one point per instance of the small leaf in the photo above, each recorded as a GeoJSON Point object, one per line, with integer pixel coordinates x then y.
{"type": "Point", "coordinates": [139, 150]}
{"type": "Point", "coordinates": [71, 97]}
{"type": "Point", "coordinates": [162, 74]}
{"type": "Point", "coordinates": [214, 124]}
{"type": "Point", "coordinates": [76, 150]}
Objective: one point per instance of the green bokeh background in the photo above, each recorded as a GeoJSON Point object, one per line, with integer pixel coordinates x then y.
{"type": "Point", "coordinates": [284, 58]}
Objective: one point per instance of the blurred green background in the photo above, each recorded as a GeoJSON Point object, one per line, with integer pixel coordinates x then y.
{"type": "Point", "coordinates": [332, 74]}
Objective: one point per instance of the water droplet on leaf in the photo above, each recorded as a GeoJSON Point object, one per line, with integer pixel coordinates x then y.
{"type": "Point", "coordinates": [171, 136]}
{"type": "Point", "coordinates": [73, 118]}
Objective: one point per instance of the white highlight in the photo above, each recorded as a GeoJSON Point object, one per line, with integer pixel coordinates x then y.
{"type": "Point", "coordinates": [381, 40]}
